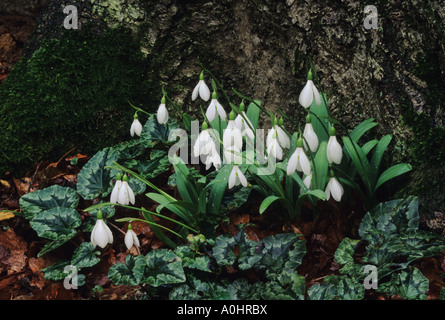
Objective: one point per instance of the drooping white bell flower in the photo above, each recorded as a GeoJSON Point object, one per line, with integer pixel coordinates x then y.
{"type": "Point", "coordinates": [310, 137]}
{"type": "Point", "coordinates": [136, 126]}
{"type": "Point", "coordinates": [233, 155]}
{"type": "Point", "coordinates": [131, 238]}
{"type": "Point", "coordinates": [308, 181]}
{"type": "Point", "coordinates": [101, 234]}
{"type": "Point", "coordinates": [204, 144]}
{"type": "Point", "coordinates": [201, 89]}
{"type": "Point", "coordinates": [278, 133]}
{"type": "Point", "coordinates": [125, 195]}
{"type": "Point", "coordinates": [309, 93]}
{"type": "Point", "coordinates": [236, 178]}
{"type": "Point", "coordinates": [213, 158]}
{"type": "Point", "coordinates": [334, 188]}
{"type": "Point", "coordinates": [215, 109]}
{"type": "Point", "coordinates": [273, 147]}
{"type": "Point", "coordinates": [115, 192]}
{"type": "Point", "coordinates": [334, 151]}
{"type": "Point", "coordinates": [232, 134]}
{"type": "Point", "coordinates": [243, 123]}
{"type": "Point", "coordinates": [162, 113]}
{"type": "Point", "coordinates": [298, 160]}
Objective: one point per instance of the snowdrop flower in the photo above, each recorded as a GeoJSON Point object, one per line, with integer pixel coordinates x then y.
{"type": "Point", "coordinates": [334, 188]}
{"type": "Point", "coordinates": [204, 143]}
{"type": "Point", "coordinates": [309, 93]}
{"type": "Point", "coordinates": [101, 234]}
{"type": "Point", "coordinates": [125, 195]}
{"type": "Point", "coordinates": [115, 192]}
{"type": "Point", "coordinates": [310, 137]}
{"type": "Point", "coordinates": [232, 134]}
{"type": "Point", "coordinates": [215, 109]}
{"type": "Point", "coordinates": [162, 113]}
{"type": "Point", "coordinates": [334, 151]}
{"type": "Point", "coordinates": [278, 133]}
{"type": "Point", "coordinates": [298, 160]}
{"type": "Point", "coordinates": [244, 124]}
{"type": "Point", "coordinates": [201, 89]}
{"type": "Point", "coordinates": [237, 177]}
{"type": "Point", "coordinates": [232, 155]}
{"type": "Point", "coordinates": [308, 181]}
{"type": "Point", "coordinates": [136, 126]}
{"type": "Point", "coordinates": [131, 238]}
{"type": "Point", "coordinates": [213, 158]}
{"type": "Point", "coordinates": [273, 146]}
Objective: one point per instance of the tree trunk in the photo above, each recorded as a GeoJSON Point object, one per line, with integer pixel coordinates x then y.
{"type": "Point", "coordinates": [262, 48]}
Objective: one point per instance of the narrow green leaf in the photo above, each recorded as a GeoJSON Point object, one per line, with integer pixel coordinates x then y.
{"type": "Point", "coordinates": [267, 202]}
{"type": "Point", "coordinates": [392, 172]}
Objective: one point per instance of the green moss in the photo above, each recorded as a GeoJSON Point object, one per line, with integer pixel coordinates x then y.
{"type": "Point", "coordinates": [427, 150]}
{"type": "Point", "coordinates": [72, 92]}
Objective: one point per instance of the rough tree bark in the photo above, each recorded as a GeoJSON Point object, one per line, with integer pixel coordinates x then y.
{"type": "Point", "coordinates": [261, 48]}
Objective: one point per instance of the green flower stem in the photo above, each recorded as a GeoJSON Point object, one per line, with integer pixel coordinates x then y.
{"type": "Point", "coordinates": [139, 109]}
{"type": "Point", "coordinates": [151, 223]}
{"type": "Point", "coordinates": [99, 205]}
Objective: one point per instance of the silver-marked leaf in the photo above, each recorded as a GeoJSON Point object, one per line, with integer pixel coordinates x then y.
{"type": "Point", "coordinates": [54, 196]}
{"type": "Point", "coordinates": [56, 224]}
{"type": "Point", "coordinates": [163, 267]}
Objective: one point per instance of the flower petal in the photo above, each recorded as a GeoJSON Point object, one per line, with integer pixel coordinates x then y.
{"type": "Point", "coordinates": [316, 94]}
{"type": "Point", "coordinates": [211, 110]}
{"type": "Point", "coordinates": [128, 239]}
{"type": "Point", "coordinates": [195, 91]}
{"type": "Point", "coordinates": [306, 95]}
{"type": "Point", "coordinates": [204, 91]}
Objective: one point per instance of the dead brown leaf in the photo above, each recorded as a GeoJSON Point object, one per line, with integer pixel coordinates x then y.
{"type": "Point", "coordinates": [16, 259]}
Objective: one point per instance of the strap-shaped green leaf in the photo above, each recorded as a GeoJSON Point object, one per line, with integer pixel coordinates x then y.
{"type": "Point", "coordinates": [391, 173]}
{"type": "Point", "coordinates": [267, 202]}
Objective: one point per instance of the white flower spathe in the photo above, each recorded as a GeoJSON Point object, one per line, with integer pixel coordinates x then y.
{"type": "Point", "coordinates": [131, 239]}
{"type": "Point", "coordinates": [162, 114]}
{"type": "Point", "coordinates": [244, 124]}
{"type": "Point", "coordinates": [125, 195]}
{"type": "Point", "coordinates": [201, 89]}
{"type": "Point", "coordinates": [232, 136]}
{"type": "Point", "coordinates": [299, 161]}
{"type": "Point", "coordinates": [101, 234]}
{"type": "Point", "coordinates": [136, 128]}
{"type": "Point", "coordinates": [214, 109]}
{"type": "Point", "coordinates": [308, 94]}
{"type": "Point", "coordinates": [236, 178]}
{"type": "Point", "coordinates": [335, 189]}
{"type": "Point", "coordinates": [310, 138]}
{"type": "Point", "coordinates": [334, 150]}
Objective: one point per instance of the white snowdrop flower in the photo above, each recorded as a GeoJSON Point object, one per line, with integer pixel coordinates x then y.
{"type": "Point", "coordinates": [309, 93]}
{"type": "Point", "coordinates": [162, 113]}
{"type": "Point", "coordinates": [334, 188]}
{"type": "Point", "coordinates": [136, 126]}
{"type": "Point", "coordinates": [273, 146]}
{"type": "Point", "coordinates": [236, 178]}
{"type": "Point", "coordinates": [244, 124]}
{"type": "Point", "coordinates": [308, 181]}
{"type": "Point", "coordinates": [215, 109]}
{"type": "Point", "coordinates": [278, 133]}
{"type": "Point", "coordinates": [115, 192]}
{"type": "Point", "coordinates": [213, 158]}
{"type": "Point", "coordinates": [131, 238]}
{"type": "Point", "coordinates": [101, 234]}
{"type": "Point", "coordinates": [201, 89]}
{"type": "Point", "coordinates": [204, 143]}
{"type": "Point", "coordinates": [334, 151]}
{"type": "Point", "coordinates": [310, 137]}
{"type": "Point", "coordinates": [232, 134]}
{"type": "Point", "coordinates": [233, 155]}
{"type": "Point", "coordinates": [125, 195]}
{"type": "Point", "coordinates": [298, 160]}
